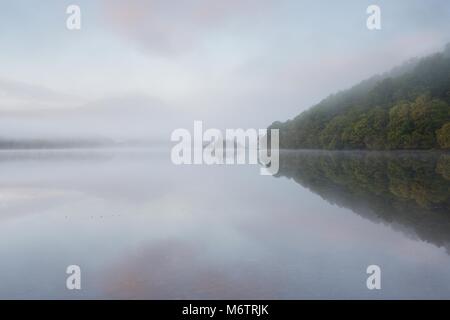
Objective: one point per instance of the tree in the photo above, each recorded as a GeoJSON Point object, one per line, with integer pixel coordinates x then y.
{"type": "Point", "coordinates": [403, 109]}
{"type": "Point", "coordinates": [443, 136]}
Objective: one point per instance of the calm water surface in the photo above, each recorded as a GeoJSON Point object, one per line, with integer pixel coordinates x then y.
{"type": "Point", "coordinates": [141, 227]}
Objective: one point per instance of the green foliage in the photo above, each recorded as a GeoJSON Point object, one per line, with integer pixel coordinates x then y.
{"type": "Point", "coordinates": [408, 108]}
{"type": "Point", "coordinates": [443, 136]}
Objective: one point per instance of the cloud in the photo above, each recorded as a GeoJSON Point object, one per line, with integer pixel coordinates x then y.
{"type": "Point", "coordinates": [169, 28]}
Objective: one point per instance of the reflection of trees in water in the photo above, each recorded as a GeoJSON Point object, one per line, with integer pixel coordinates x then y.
{"type": "Point", "coordinates": [409, 191]}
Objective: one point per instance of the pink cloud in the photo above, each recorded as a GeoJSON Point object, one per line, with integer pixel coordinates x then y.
{"type": "Point", "coordinates": [165, 27]}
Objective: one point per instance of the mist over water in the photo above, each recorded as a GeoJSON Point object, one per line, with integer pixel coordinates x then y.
{"type": "Point", "coordinates": [141, 227]}
{"type": "Point", "coordinates": [93, 94]}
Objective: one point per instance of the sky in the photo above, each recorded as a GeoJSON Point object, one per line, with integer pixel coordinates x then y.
{"type": "Point", "coordinates": [144, 68]}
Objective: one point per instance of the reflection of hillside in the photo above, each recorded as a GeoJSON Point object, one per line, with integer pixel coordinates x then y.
{"type": "Point", "coordinates": [409, 191]}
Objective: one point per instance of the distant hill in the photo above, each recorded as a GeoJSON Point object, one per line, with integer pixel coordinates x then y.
{"type": "Point", "coordinates": [56, 143]}
{"type": "Point", "coordinates": [406, 108]}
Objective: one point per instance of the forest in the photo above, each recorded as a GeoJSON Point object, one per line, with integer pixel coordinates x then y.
{"type": "Point", "coordinates": [406, 108]}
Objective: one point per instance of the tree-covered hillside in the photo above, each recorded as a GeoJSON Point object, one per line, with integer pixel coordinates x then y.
{"type": "Point", "coordinates": [407, 108]}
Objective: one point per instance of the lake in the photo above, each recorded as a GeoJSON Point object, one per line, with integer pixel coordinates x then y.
{"type": "Point", "coordinates": [140, 227]}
